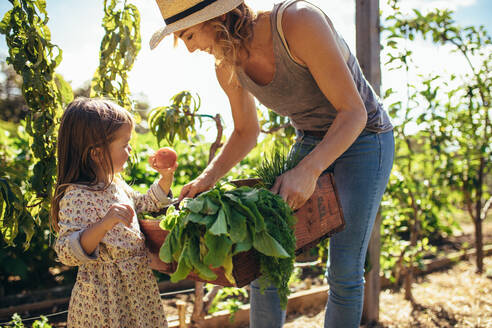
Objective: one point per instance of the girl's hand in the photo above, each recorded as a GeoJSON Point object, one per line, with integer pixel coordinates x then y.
{"type": "Point", "coordinates": [92, 236]}
{"type": "Point", "coordinates": [200, 184]}
{"type": "Point", "coordinates": [118, 213]}
{"type": "Point", "coordinates": [295, 187]}
{"type": "Point", "coordinates": [164, 172]}
{"type": "Point", "coordinates": [167, 174]}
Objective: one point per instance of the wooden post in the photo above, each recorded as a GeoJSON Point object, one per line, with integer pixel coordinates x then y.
{"type": "Point", "coordinates": [198, 309]}
{"type": "Point", "coordinates": [368, 55]}
{"type": "Point", "coordinates": [367, 41]}
{"type": "Point", "coordinates": [182, 313]}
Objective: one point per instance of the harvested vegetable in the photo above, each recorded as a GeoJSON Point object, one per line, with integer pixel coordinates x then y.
{"type": "Point", "coordinates": [274, 165]}
{"type": "Point", "coordinates": [218, 224]}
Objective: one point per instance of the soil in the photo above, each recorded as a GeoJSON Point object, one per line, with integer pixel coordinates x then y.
{"type": "Point", "coordinates": [456, 297]}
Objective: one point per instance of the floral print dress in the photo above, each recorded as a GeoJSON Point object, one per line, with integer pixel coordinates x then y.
{"type": "Point", "coordinates": [115, 286]}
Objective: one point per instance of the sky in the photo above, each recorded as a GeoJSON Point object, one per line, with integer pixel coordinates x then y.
{"type": "Point", "coordinates": [159, 74]}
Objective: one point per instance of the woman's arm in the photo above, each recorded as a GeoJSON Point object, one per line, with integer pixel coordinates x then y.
{"type": "Point", "coordinates": [306, 29]}
{"type": "Point", "coordinates": [241, 141]}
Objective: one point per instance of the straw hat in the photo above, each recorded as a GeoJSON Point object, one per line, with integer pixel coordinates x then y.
{"type": "Point", "coordinates": [181, 14]}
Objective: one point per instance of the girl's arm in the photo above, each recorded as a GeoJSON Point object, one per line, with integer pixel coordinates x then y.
{"type": "Point", "coordinates": [81, 230]}
{"type": "Point", "coordinates": [241, 141]}
{"type": "Point", "coordinates": [306, 29]}
{"type": "Point", "coordinates": [157, 196]}
{"type": "Point", "coordinates": [92, 236]}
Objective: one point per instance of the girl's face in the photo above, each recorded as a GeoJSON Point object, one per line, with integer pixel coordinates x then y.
{"type": "Point", "coordinates": [120, 147]}
{"type": "Point", "coordinates": [199, 37]}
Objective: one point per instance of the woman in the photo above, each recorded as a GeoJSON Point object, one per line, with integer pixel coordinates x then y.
{"type": "Point", "coordinates": [294, 62]}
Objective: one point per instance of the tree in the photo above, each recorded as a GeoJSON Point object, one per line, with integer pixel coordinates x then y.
{"type": "Point", "coordinates": [35, 58]}
{"type": "Point", "coordinates": [460, 125]}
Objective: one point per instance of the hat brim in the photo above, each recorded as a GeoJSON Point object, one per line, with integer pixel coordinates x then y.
{"type": "Point", "coordinates": [211, 11]}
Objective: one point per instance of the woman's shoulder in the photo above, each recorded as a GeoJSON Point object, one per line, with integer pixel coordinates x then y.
{"type": "Point", "coordinates": [301, 12]}
{"type": "Point", "coordinates": [306, 26]}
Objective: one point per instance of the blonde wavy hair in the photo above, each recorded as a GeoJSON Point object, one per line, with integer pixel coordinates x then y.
{"type": "Point", "coordinates": [232, 34]}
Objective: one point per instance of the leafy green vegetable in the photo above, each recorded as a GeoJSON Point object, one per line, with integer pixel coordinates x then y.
{"type": "Point", "coordinates": [237, 224]}
{"type": "Point", "coordinates": [184, 265]}
{"type": "Point", "coordinates": [195, 205]}
{"type": "Point", "coordinates": [274, 165]}
{"type": "Point", "coordinates": [265, 244]}
{"type": "Point", "coordinates": [204, 271]}
{"type": "Point", "coordinates": [218, 224]}
{"type": "Point", "coordinates": [218, 248]}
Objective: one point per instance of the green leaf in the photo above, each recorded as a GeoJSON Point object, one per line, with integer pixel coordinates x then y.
{"type": "Point", "coordinates": [237, 227]}
{"type": "Point", "coordinates": [28, 229]}
{"type": "Point", "coordinates": [259, 220]}
{"type": "Point", "coordinates": [195, 205]}
{"type": "Point", "coordinates": [202, 270]}
{"type": "Point", "coordinates": [184, 268]}
{"type": "Point", "coordinates": [228, 267]}
{"type": "Point", "coordinates": [64, 89]}
{"type": "Point", "coordinates": [196, 218]}
{"type": "Point", "coordinates": [243, 246]}
{"type": "Point", "coordinates": [165, 252]}
{"type": "Point", "coordinates": [220, 225]}
{"type": "Point", "coordinates": [266, 244]}
{"type": "Point", "coordinates": [250, 195]}
{"type": "Point", "coordinates": [218, 248]}
{"type": "Point", "coordinates": [210, 207]}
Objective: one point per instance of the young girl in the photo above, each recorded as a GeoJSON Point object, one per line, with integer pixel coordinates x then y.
{"type": "Point", "coordinates": [93, 210]}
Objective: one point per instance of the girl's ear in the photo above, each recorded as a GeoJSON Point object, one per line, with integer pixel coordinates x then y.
{"type": "Point", "coordinates": [95, 154]}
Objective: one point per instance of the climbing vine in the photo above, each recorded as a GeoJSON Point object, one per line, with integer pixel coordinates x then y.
{"type": "Point", "coordinates": [119, 49]}
{"type": "Point", "coordinates": [35, 58]}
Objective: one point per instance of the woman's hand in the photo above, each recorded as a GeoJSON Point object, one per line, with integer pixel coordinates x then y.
{"type": "Point", "coordinates": [202, 183]}
{"type": "Point", "coordinates": [295, 186]}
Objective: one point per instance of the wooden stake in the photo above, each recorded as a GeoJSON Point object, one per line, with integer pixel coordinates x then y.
{"type": "Point", "coordinates": [182, 313]}
{"type": "Point", "coordinates": [368, 55]}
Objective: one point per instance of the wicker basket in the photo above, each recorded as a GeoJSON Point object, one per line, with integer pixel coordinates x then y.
{"type": "Point", "coordinates": [245, 264]}
{"type": "Point", "coordinates": [319, 218]}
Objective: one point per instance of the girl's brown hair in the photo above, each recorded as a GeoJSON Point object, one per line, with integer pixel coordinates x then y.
{"type": "Point", "coordinates": [87, 128]}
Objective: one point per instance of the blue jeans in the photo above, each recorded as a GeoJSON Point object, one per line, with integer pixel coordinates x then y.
{"type": "Point", "coordinates": [361, 175]}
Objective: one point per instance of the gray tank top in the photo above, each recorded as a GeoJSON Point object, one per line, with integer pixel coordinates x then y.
{"type": "Point", "coordinates": [294, 93]}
